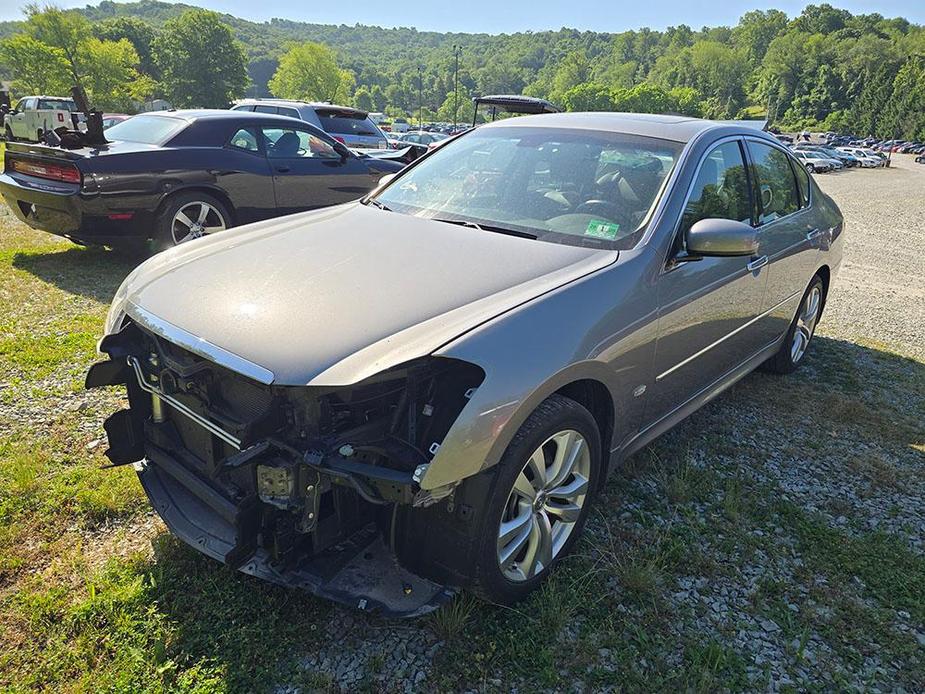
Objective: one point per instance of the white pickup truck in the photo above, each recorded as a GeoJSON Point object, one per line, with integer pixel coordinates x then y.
{"type": "Point", "coordinates": [33, 116]}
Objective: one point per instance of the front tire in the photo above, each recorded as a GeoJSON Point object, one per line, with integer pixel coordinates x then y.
{"type": "Point", "coordinates": [802, 328]}
{"type": "Point", "coordinates": [538, 503]}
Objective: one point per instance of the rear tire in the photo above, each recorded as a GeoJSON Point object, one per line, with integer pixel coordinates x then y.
{"type": "Point", "coordinates": [187, 216]}
{"type": "Point", "coordinates": [802, 328]}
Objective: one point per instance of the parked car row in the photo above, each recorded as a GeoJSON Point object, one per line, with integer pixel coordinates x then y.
{"type": "Point", "coordinates": [878, 145]}
{"type": "Point", "coordinates": [819, 158]}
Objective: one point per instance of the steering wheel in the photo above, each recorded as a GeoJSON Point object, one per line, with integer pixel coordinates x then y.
{"type": "Point", "coordinates": [605, 208]}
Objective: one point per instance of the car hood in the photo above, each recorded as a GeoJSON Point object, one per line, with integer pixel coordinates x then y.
{"type": "Point", "coordinates": [334, 296]}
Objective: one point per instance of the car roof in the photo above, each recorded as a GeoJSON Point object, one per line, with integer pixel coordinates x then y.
{"type": "Point", "coordinates": [204, 114]}
{"type": "Point", "coordinates": [296, 102]}
{"type": "Point", "coordinates": [666, 127]}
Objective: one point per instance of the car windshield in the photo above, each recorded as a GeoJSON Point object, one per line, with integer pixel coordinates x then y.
{"type": "Point", "coordinates": [579, 187]}
{"type": "Point", "coordinates": [57, 105]}
{"type": "Point", "coordinates": [347, 123]}
{"type": "Point", "coordinates": [147, 130]}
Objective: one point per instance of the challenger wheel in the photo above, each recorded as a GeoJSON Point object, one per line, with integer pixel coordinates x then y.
{"type": "Point", "coordinates": [539, 500]}
{"type": "Point", "coordinates": [190, 216]}
{"type": "Point", "coordinates": [801, 332]}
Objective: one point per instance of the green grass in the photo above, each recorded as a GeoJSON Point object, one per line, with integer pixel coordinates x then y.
{"type": "Point", "coordinates": [96, 596]}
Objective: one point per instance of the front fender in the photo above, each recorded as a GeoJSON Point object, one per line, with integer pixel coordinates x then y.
{"type": "Point", "coordinates": [530, 353]}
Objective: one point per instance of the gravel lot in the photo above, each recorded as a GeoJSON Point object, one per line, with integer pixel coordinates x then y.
{"type": "Point", "coordinates": [773, 541]}
{"type": "Point", "coordinates": [880, 294]}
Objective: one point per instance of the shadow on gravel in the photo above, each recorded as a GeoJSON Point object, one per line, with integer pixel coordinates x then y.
{"type": "Point", "coordinates": [90, 272]}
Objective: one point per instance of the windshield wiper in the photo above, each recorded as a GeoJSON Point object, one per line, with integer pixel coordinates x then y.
{"type": "Point", "coordinates": [488, 227]}
{"type": "Point", "coordinates": [376, 203]}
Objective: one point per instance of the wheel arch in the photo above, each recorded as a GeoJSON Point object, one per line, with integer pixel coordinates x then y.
{"type": "Point", "coordinates": [595, 397]}
{"type": "Point", "coordinates": [213, 191]}
{"type": "Point", "coordinates": [825, 274]}
{"type": "Point", "coordinates": [590, 383]}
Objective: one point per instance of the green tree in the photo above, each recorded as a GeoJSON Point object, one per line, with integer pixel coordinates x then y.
{"type": "Point", "coordinates": [114, 84]}
{"type": "Point", "coordinates": [64, 30]}
{"type": "Point", "coordinates": [36, 67]}
{"type": "Point", "coordinates": [363, 99]}
{"type": "Point", "coordinates": [906, 112]}
{"type": "Point", "coordinates": [310, 71]}
{"type": "Point", "coordinates": [589, 96]}
{"type": "Point", "coordinates": [58, 50]}
{"type": "Point", "coordinates": [755, 31]}
{"type": "Point", "coordinates": [139, 33]}
{"type": "Point", "coordinates": [201, 64]}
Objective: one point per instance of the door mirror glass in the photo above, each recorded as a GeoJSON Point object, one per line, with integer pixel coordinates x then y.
{"type": "Point", "coordinates": [721, 237]}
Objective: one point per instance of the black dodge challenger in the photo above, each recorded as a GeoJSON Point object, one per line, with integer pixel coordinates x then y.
{"type": "Point", "coordinates": [172, 176]}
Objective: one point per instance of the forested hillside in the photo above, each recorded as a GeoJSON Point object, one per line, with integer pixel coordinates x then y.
{"type": "Point", "coordinates": [825, 68]}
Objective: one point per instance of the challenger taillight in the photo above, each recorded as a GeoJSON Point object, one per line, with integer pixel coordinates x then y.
{"type": "Point", "coordinates": [67, 173]}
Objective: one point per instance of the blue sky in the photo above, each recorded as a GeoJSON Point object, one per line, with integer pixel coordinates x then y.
{"type": "Point", "coordinates": [494, 16]}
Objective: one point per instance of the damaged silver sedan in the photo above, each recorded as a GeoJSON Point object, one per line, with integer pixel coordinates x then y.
{"type": "Point", "coordinates": [384, 401]}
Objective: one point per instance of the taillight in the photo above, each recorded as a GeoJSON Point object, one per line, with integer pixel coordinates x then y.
{"type": "Point", "coordinates": [68, 173]}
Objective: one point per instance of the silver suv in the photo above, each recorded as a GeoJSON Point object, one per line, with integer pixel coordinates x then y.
{"type": "Point", "coordinates": [345, 124]}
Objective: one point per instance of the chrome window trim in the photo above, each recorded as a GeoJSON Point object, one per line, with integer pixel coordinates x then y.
{"type": "Point", "coordinates": [725, 337]}
{"type": "Point", "coordinates": [198, 345]}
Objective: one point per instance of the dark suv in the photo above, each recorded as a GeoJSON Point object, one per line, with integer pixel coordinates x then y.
{"type": "Point", "coordinates": [348, 125]}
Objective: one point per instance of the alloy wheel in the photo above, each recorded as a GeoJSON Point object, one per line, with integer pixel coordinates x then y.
{"type": "Point", "coordinates": [195, 219]}
{"type": "Point", "coordinates": [544, 505]}
{"type": "Point", "coordinates": [806, 323]}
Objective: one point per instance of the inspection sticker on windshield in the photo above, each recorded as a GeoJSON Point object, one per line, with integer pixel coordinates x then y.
{"type": "Point", "coordinates": [602, 230]}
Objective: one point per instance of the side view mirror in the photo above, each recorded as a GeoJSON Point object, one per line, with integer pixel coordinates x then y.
{"type": "Point", "coordinates": [386, 179]}
{"type": "Point", "coordinates": [721, 237]}
{"type": "Point", "coordinates": [342, 151]}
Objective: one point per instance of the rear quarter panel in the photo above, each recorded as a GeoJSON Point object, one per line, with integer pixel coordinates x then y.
{"type": "Point", "coordinates": [142, 180]}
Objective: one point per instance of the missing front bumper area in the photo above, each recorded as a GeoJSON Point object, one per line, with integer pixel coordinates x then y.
{"type": "Point", "coordinates": [294, 485]}
{"type": "Point", "coordinates": [360, 571]}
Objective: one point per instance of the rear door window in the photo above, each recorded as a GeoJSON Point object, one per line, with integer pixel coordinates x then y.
{"type": "Point", "coordinates": [266, 109]}
{"type": "Point", "coordinates": [777, 187]}
{"type": "Point", "coordinates": [802, 183]}
{"type": "Point", "coordinates": [245, 139]}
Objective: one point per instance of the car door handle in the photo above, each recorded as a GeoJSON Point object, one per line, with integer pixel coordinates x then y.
{"type": "Point", "coordinates": [814, 234]}
{"type": "Point", "coordinates": [757, 263]}
{"type": "Point", "coordinates": [282, 169]}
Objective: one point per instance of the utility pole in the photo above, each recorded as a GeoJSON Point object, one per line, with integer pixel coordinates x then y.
{"type": "Point", "coordinates": [456, 52]}
{"type": "Point", "coordinates": [420, 97]}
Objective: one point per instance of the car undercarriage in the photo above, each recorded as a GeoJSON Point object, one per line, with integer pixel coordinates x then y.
{"type": "Point", "coordinates": [303, 486]}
